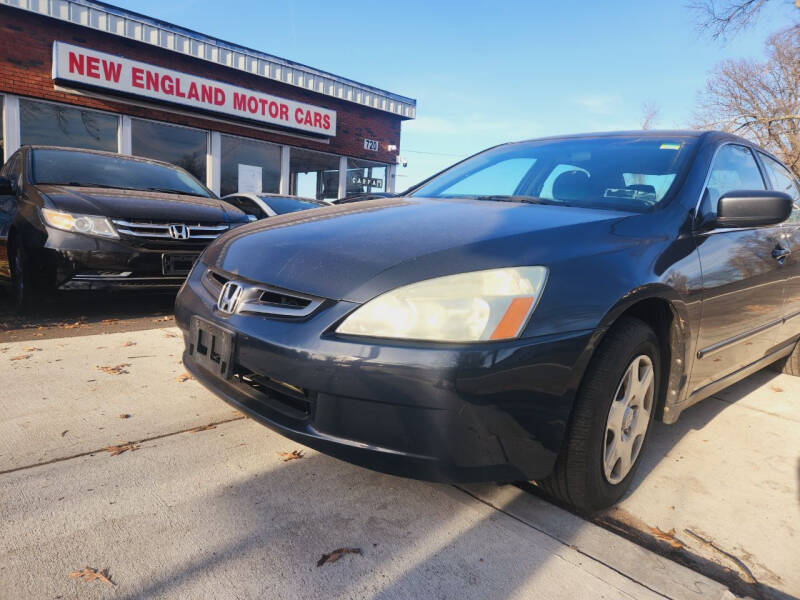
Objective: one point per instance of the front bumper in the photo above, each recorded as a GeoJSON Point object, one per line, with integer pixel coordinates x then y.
{"type": "Point", "coordinates": [75, 261]}
{"type": "Point", "coordinates": [489, 412]}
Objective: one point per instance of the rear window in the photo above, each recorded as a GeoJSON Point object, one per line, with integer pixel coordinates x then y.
{"type": "Point", "coordinates": [68, 167]}
{"type": "Point", "coordinates": [617, 172]}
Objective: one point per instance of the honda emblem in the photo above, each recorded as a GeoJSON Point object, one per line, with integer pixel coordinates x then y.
{"type": "Point", "coordinates": [179, 232]}
{"type": "Point", "coordinates": [229, 297]}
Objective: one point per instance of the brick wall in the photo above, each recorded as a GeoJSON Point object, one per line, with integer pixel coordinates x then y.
{"type": "Point", "coordinates": [26, 53]}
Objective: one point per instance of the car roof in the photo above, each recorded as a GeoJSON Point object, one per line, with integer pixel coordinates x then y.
{"type": "Point", "coordinates": [711, 135]}
{"type": "Point", "coordinates": [270, 195]}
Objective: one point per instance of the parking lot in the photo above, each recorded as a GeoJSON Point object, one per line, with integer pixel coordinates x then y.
{"type": "Point", "coordinates": [112, 459]}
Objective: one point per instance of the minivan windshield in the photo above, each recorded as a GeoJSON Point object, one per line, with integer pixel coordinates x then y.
{"type": "Point", "coordinates": [631, 173]}
{"type": "Point", "coordinates": [87, 169]}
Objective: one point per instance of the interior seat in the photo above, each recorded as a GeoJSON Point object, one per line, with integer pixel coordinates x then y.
{"type": "Point", "coordinates": [572, 186]}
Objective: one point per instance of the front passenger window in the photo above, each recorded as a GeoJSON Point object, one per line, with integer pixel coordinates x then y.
{"type": "Point", "coordinates": [734, 168]}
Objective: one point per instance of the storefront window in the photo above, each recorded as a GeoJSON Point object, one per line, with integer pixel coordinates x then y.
{"type": "Point", "coordinates": [313, 174]}
{"type": "Point", "coordinates": [249, 166]}
{"type": "Point", "coordinates": [365, 176]}
{"type": "Point", "coordinates": [180, 146]}
{"type": "Point", "coordinates": [61, 125]}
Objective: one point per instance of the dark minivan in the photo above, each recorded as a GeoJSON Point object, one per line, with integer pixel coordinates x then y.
{"type": "Point", "coordinates": [523, 315]}
{"type": "Point", "coordinates": [81, 219]}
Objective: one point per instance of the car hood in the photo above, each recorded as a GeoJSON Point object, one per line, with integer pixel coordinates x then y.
{"type": "Point", "coordinates": [135, 204]}
{"type": "Point", "coordinates": [357, 251]}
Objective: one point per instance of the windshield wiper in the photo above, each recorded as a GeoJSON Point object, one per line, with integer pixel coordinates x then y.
{"type": "Point", "coordinates": [77, 184]}
{"type": "Point", "coordinates": [522, 200]}
{"type": "Point", "coordinates": [171, 191]}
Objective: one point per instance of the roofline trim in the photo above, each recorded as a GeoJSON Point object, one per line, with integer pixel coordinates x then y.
{"type": "Point", "coordinates": [117, 21]}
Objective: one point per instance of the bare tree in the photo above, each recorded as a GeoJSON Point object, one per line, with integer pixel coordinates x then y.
{"type": "Point", "coordinates": [722, 17]}
{"type": "Point", "coordinates": [759, 100]}
{"type": "Point", "coordinates": [650, 113]}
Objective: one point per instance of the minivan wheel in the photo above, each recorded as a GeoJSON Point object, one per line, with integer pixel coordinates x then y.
{"type": "Point", "coordinates": [613, 411]}
{"type": "Point", "coordinates": [790, 364]}
{"type": "Point", "coordinates": [25, 297]}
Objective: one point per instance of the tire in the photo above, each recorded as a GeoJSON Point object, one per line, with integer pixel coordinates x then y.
{"type": "Point", "coordinates": [789, 364]}
{"type": "Point", "coordinates": [582, 476]}
{"type": "Point", "coordinates": [26, 297]}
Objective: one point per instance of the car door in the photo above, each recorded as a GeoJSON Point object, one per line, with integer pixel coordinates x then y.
{"type": "Point", "coordinates": [743, 284]}
{"type": "Point", "coordinates": [782, 180]}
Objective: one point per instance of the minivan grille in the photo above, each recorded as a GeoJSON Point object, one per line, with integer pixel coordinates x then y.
{"type": "Point", "coordinates": [161, 231]}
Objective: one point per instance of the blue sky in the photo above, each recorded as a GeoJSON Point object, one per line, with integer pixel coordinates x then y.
{"type": "Point", "coordinates": [489, 72]}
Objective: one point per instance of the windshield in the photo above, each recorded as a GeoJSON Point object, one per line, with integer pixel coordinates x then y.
{"type": "Point", "coordinates": [616, 173]}
{"type": "Point", "coordinates": [69, 167]}
{"type": "Point", "coordinates": [283, 205]}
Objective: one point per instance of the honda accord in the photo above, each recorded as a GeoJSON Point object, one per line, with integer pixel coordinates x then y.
{"type": "Point", "coordinates": [523, 315]}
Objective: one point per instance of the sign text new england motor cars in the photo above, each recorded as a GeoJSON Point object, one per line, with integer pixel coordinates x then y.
{"type": "Point", "coordinates": [101, 70]}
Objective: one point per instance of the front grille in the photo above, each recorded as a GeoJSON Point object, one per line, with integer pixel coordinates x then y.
{"type": "Point", "coordinates": [288, 399]}
{"type": "Point", "coordinates": [263, 299]}
{"type": "Point", "coordinates": [161, 231]}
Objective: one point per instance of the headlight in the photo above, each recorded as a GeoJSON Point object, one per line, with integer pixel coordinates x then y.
{"type": "Point", "coordinates": [469, 307]}
{"type": "Point", "coordinates": [87, 224]}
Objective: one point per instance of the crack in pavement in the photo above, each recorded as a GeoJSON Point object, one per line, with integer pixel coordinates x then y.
{"type": "Point", "coordinates": [140, 441]}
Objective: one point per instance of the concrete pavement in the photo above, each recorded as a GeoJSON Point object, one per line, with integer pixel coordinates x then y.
{"type": "Point", "coordinates": [217, 513]}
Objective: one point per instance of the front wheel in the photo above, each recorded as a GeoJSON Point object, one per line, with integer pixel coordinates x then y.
{"type": "Point", "coordinates": [25, 296]}
{"type": "Point", "coordinates": [611, 419]}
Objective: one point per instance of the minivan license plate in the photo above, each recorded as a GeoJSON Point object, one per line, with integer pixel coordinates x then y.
{"type": "Point", "coordinates": [212, 347]}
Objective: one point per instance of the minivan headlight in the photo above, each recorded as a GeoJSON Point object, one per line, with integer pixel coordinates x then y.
{"type": "Point", "coordinates": [468, 307]}
{"type": "Point", "coordinates": [87, 224]}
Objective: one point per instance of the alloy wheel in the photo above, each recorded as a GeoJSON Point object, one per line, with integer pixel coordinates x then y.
{"type": "Point", "coordinates": [628, 419]}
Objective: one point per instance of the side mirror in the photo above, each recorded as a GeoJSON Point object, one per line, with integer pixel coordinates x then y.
{"type": "Point", "coordinates": [752, 208]}
{"type": "Point", "coordinates": [6, 187]}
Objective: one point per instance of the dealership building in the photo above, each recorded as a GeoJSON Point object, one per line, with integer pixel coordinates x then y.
{"type": "Point", "coordinates": [86, 74]}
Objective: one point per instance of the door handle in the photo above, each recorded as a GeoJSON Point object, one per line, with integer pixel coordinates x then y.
{"type": "Point", "coordinates": [780, 253]}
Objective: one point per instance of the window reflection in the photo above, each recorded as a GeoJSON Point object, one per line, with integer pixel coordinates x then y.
{"type": "Point", "coordinates": [61, 125]}
{"type": "Point", "coordinates": [313, 174]}
{"type": "Point", "coordinates": [365, 176]}
{"type": "Point", "coordinates": [180, 146]}
{"type": "Point", "coordinates": [249, 166]}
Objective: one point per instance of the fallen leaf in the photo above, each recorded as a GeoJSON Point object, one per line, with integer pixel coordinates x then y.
{"type": "Point", "coordinates": [203, 428]}
{"type": "Point", "coordinates": [332, 557]}
{"type": "Point", "coordinates": [109, 321]}
{"type": "Point", "coordinates": [667, 536]}
{"type": "Point", "coordinates": [774, 388]}
{"type": "Point", "coordinates": [128, 344]}
{"type": "Point", "coordinates": [293, 455]}
{"type": "Point", "coordinates": [21, 357]}
{"type": "Point", "coordinates": [162, 319]}
{"type": "Point", "coordinates": [63, 433]}
{"type": "Point", "coordinates": [184, 377]}
{"type": "Point", "coordinates": [114, 370]}
{"type": "Point", "coordinates": [115, 450]}
{"type": "Point", "coordinates": [124, 416]}
{"type": "Point", "coordinates": [90, 574]}
{"type": "Point", "coordinates": [169, 334]}
{"type": "Point", "coordinates": [72, 325]}
{"type": "Point", "coordinates": [33, 349]}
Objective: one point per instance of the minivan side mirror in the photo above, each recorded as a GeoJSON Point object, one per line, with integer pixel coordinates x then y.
{"type": "Point", "coordinates": [6, 187]}
{"type": "Point", "coordinates": [752, 208]}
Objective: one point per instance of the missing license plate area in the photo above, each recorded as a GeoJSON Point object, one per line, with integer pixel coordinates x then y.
{"type": "Point", "coordinates": [212, 347]}
{"type": "Point", "coordinates": [177, 264]}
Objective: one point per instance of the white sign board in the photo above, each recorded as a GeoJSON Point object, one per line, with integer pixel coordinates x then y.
{"type": "Point", "coordinates": [100, 70]}
{"type": "Point", "coordinates": [249, 179]}
{"type": "Point", "coordinates": [371, 145]}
